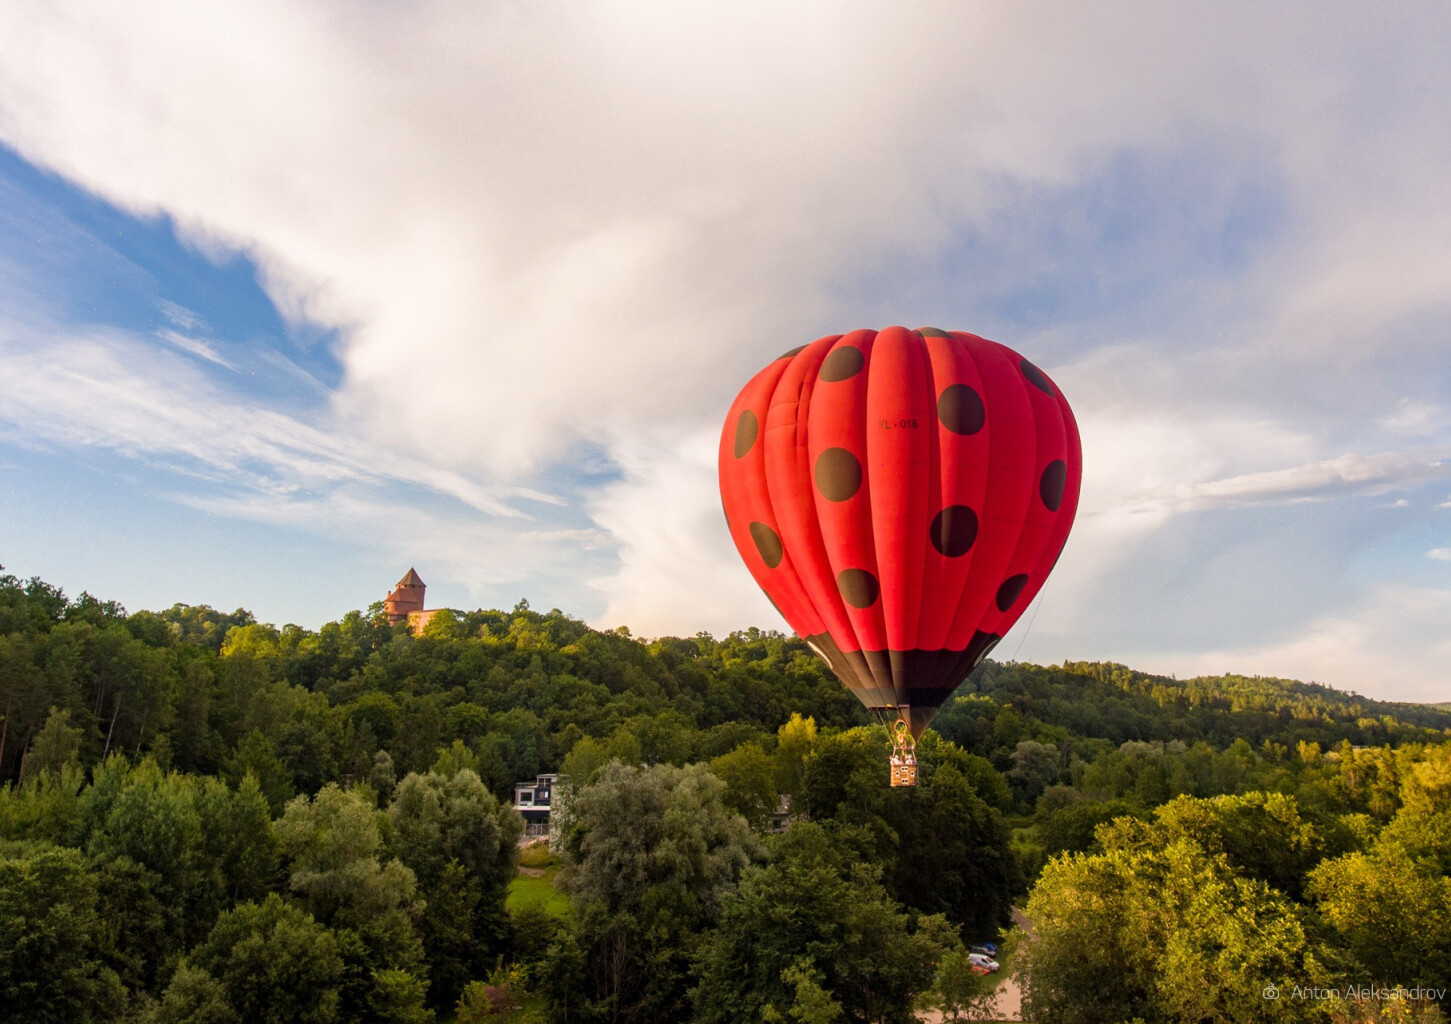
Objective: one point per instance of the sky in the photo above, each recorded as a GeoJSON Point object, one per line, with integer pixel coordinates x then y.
{"type": "Point", "coordinates": [296, 296]}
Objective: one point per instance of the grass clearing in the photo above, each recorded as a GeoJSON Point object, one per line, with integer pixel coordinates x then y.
{"type": "Point", "coordinates": [526, 889]}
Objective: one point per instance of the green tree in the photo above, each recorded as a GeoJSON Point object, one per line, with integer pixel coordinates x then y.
{"type": "Point", "coordinates": [845, 779]}
{"type": "Point", "coordinates": [381, 776]}
{"type": "Point", "coordinates": [153, 818]}
{"type": "Point", "coordinates": [812, 929]}
{"type": "Point", "coordinates": [750, 777]}
{"type": "Point", "coordinates": [953, 855]}
{"type": "Point", "coordinates": [193, 742]}
{"type": "Point", "coordinates": [257, 756]}
{"type": "Point", "coordinates": [57, 744]}
{"type": "Point", "coordinates": [1164, 933]}
{"type": "Point", "coordinates": [455, 758]}
{"type": "Point", "coordinates": [461, 845]}
{"type": "Point", "coordinates": [333, 844]}
{"type": "Point", "coordinates": [46, 806]}
{"type": "Point", "coordinates": [1036, 766]}
{"type": "Point", "coordinates": [1263, 835]}
{"type": "Point", "coordinates": [515, 748]}
{"type": "Point", "coordinates": [135, 926]}
{"type": "Point", "coordinates": [397, 997]}
{"type": "Point", "coordinates": [340, 868]}
{"type": "Point", "coordinates": [273, 962]}
{"type": "Point", "coordinates": [648, 856]}
{"type": "Point", "coordinates": [238, 844]}
{"type": "Point", "coordinates": [812, 1005]}
{"type": "Point", "coordinates": [132, 694]}
{"type": "Point", "coordinates": [584, 761]}
{"type": "Point", "coordinates": [794, 743]}
{"type": "Point", "coordinates": [1391, 905]}
{"type": "Point", "coordinates": [962, 992]}
{"type": "Point", "coordinates": [51, 969]}
{"type": "Point", "coordinates": [193, 997]}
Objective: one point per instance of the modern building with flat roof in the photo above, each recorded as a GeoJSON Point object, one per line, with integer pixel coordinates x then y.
{"type": "Point", "coordinates": [535, 800]}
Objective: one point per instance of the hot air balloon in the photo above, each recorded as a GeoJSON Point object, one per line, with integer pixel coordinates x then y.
{"type": "Point", "coordinates": [900, 496]}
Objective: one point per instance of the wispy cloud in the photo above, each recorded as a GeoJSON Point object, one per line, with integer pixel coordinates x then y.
{"type": "Point", "coordinates": [110, 390]}
{"type": "Point", "coordinates": [1322, 480]}
{"type": "Point", "coordinates": [194, 346]}
{"type": "Point", "coordinates": [181, 316]}
{"type": "Point", "coordinates": [1416, 418]}
{"type": "Point", "coordinates": [483, 553]}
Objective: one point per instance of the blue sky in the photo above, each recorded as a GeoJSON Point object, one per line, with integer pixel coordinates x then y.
{"type": "Point", "coordinates": [293, 298]}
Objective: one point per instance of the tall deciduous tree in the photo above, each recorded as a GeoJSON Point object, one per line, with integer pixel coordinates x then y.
{"type": "Point", "coordinates": [953, 855]}
{"type": "Point", "coordinates": [1161, 932]}
{"type": "Point", "coordinates": [274, 964]}
{"type": "Point", "coordinates": [649, 856]}
{"type": "Point", "coordinates": [151, 817]}
{"type": "Point", "coordinates": [812, 929]}
{"type": "Point", "coordinates": [1391, 904]}
{"type": "Point", "coordinates": [57, 744]}
{"type": "Point", "coordinates": [750, 777]}
{"type": "Point", "coordinates": [794, 742]}
{"type": "Point", "coordinates": [461, 845]}
{"type": "Point", "coordinates": [51, 971]}
{"type": "Point", "coordinates": [339, 866]}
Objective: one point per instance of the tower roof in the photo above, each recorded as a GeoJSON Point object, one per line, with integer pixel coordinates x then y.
{"type": "Point", "coordinates": [411, 580]}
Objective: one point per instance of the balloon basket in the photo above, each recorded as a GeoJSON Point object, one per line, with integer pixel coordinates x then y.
{"type": "Point", "coordinates": [904, 770]}
{"type": "Point", "coordinates": [904, 755]}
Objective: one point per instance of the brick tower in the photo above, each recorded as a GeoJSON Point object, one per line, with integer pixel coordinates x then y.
{"type": "Point", "coordinates": [405, 599]}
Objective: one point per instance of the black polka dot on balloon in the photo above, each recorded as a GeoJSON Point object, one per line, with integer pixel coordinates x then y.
{"type": "Point", "coordinates": [1037, 378]}
{"type": "Point", "coordinates": [960, 409]}
{"type": "Point", "coordinates": [953, 530]}
{"type": "Point", "coordinates": [747, 427]}
{"type": "Point", "coordinates": [838, 474]}
{"type": "Point", "coordinates": [795, 351]}
{"type": "Point", "coordinates": [768, 543]}
{"type": "Point", "coordinates": [858, 587]}
{"type": "Point", "coordinates": [1011, 590]}
{"type": "Point", "coordinates": [845, 362]}
{"type": "Point", "coordinates": [1050, 485]}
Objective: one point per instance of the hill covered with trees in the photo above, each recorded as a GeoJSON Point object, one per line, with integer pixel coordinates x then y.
{"type": "Point", "coordinates": [206, 818]}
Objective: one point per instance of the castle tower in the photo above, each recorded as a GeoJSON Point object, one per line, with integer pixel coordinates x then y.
{"type": "Point", "coordinates": [405, 599]}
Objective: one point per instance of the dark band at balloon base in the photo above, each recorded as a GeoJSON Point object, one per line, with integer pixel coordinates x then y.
{"type": "Point", "coordinates": [917, 682]}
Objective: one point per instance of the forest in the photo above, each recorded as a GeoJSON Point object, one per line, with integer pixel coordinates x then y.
{"type": "Point", "coordinates": [204, 818]}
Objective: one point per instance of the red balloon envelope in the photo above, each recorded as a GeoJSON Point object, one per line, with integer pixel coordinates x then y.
{"type": "Point", "coordinates": [901, 496]}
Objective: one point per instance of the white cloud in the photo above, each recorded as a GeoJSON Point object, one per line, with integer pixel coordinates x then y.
{"type": "Point", "coordinates": [1392, 644]}
{"type": "Point", "coordinates": [180, 316]}
{"type": "Point", "coordinates": [1321, 480]}
{"type": "Point", "coordinates": [542, 230]}
{"type": "Point", "coordinates": [678, 570]}
{"type": "Point", "coordinates": [1415, 418]}
{"type": "Point", "coordinates": [195, 346]}
{"type": "Point", "coordinates": [108, 389]}
{"type": "Point", "coordinates": [545, 221]}
{"type": "Point", "coordinates": [1440, 554]}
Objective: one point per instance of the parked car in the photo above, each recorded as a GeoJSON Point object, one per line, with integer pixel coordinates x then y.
{"type": "Point", "coordinates": [985, 948]}
{"type": "Point", "coordinates": [982, 961]}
